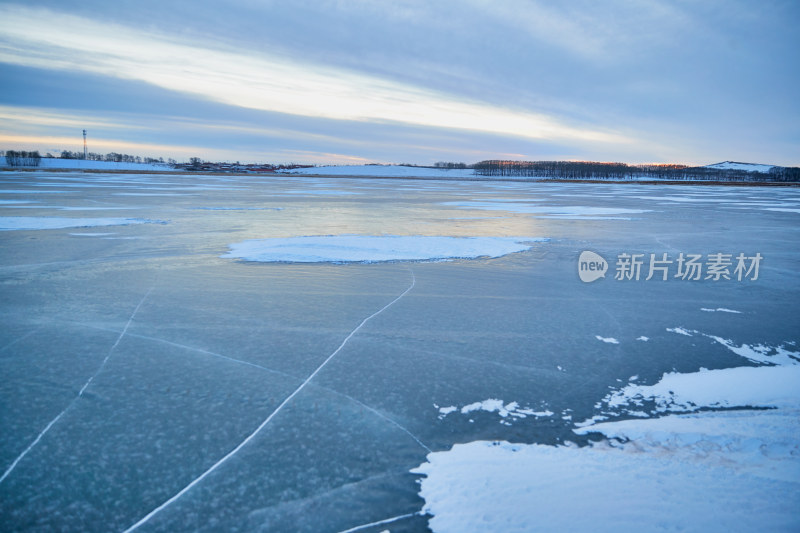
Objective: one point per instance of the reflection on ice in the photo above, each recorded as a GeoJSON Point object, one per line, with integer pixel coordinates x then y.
{"type": "Point", "coordinates": [36, 223]}
{"type": "Point", "coordinates": [368, 248]}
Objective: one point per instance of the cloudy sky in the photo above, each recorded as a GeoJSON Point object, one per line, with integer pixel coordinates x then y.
{"type": "Point", "coordinates": [355, 81]}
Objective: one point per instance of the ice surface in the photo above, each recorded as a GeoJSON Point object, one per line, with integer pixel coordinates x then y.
{"type": "Point", "coordinates": [672, 472]}
{"type": "Point", "coordinates": [369, 248]}
{"type": "Point", "coordinates": [320, 192]}
{"type": "Point", "coordinates": [219, 344]}
{"type": "Point", "coordinates": [568, 211]}
{"type": "Point", "coordinates": [70, 208]}
{"type": "Point", "coordinates": [684, 199]}
{"type": "Point", "coordinates": [239, 208]}
{"type": "Point", "coordinates": [30, 191]}
{"type": "Point", "coordinates": [35, 223]}
{"type": "Point", "coordinates": [383, 171]}
{"type": "Point", "coordinates": [175, 497]}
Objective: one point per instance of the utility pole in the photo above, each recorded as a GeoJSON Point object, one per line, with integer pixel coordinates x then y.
{"type": "Point", "coordinates": [84, 144]}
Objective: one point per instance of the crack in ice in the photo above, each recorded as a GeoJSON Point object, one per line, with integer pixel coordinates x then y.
{"type": "Point", "coordinates": [267, 420]}
{"type": "Point", "coordinates": [382, 522]}
{"type": "Point", "coordinates": [19, 339]}
{"type": "Point", "coordinates": [271, 370]}
{"type": "Point", "coordinates": [279, 372]}
{"type": "Point", "coordinates": [80, 393]}
{"type": "Point", "coordinates": [378, 413]}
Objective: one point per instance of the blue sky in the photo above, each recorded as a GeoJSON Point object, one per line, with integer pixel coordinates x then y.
{"type": "Point", "coordinates": [407, 81]}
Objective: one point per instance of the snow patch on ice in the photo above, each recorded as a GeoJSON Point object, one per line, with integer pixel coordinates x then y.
{"type": "Point", "coordinates": [700, 471]}
{"type": "Point", "coordinates": [775, 386]}
{"type": "Point", "coordinates": [368, 248]}
{"type": "Point", "coordinates": [759, 353]}
{"type": "Point", "coordinates": [767, 386]}
{"type": "Point", "coordinates": [656, 484]}
{"type": "Point", "coordinates": [444, 411]}
{"type": "Point", "coordinates": [756, 353]}
{"type": "Point", "coordinates": [508, 412]}
{"type": "Point", "coordinates": [759, 441]}
{"type": "Point", "coordinates": [609, 340]}
{"type": "Point", "coordinates": [783, 209]}
{"type": "Point", "coordinates": [680, 331]}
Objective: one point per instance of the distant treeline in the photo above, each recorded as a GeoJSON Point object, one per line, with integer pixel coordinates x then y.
{"type": "Point", "coordinates": [623, 171]}
{"type": "Point", "coordinates": [448, 164]}
{"type": "Point", "coordinates": [32, 159]}
{"type": "Point", "coordinates": [22, 158]}
{"type": "Point", "coordinates": [115, 157]}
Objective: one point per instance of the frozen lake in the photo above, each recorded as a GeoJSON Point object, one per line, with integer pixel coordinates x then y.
{"type": "Point", "coordinates": [146, 362]}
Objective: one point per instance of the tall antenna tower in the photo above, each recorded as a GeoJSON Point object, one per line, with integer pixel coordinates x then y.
{"type": "Point", "coordinates": [84, 144]}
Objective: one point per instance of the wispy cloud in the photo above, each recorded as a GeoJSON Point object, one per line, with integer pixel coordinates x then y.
{"type": "Point", "coordinates": [259, 80]}
{"type": "Point", "coordinates": [631, 80]}
{"type": "Point", "coordinates": [19, 118]}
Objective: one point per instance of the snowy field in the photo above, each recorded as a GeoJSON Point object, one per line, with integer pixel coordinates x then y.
{"type": "Point", "coordinates": [289, 353]}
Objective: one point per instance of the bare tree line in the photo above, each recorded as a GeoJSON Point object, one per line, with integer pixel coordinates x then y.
{"type": "Point", "coordinates": [22, 158]}
{"type": "Point", "coordinates": [576, 170]}
{"type": "Point", "coordinates": [623, 171]}
{"type": "Point", "coordinates": [114, 157]}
